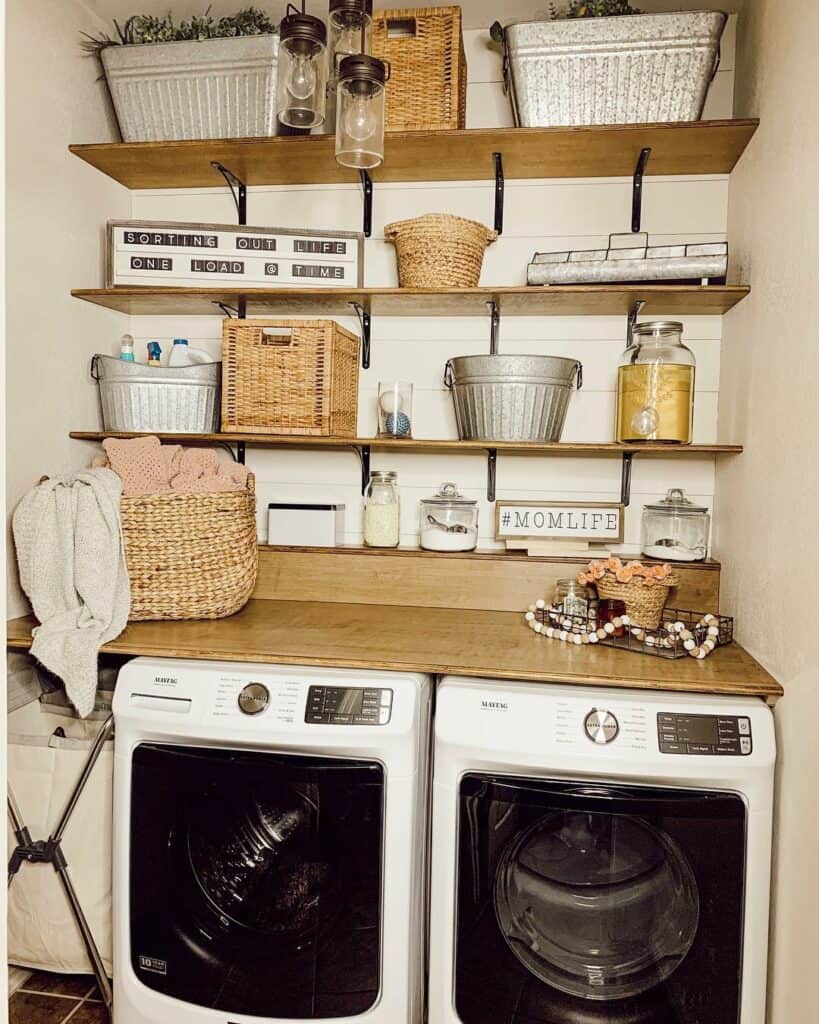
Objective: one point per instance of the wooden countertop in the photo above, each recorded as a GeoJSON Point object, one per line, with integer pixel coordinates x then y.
{"type": "Point", "coordinates": [490, 644]}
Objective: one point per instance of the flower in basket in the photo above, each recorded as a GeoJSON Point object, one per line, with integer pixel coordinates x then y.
{"type": "Point", "coordinates": [630, 572]}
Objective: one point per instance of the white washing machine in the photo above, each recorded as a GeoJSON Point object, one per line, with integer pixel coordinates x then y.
{"type": "Point", "coordinates": [599, 856]}
{"type": "Point", "coordinates": [270, 829]}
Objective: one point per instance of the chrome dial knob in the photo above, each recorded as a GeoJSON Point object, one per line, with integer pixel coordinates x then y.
{"type": "Point", "coordinates": [601, 726]}
{"type": "Point", "coordinates": [254, 698]}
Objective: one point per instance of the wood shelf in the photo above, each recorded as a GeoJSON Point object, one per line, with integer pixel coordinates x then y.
{"type": "Point", "coordinates": [553, 300]}
{"type": "Point", "coordinates": [464, 642]}
{"type": "Point", "coordinates": [698, 147]}
{"type": "Point", "coordinates": [561, 448]}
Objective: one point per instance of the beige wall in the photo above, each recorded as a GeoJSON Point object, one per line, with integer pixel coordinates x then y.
{"type": "Point", "coordinates": [56, 209]}
{"type": "Point", "coordinates": [766, 502]}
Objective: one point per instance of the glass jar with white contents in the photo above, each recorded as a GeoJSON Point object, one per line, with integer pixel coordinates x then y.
{"type": "Point", "coordinates": [449, 522]}
{"type": "Point", "coordinates": [382, 511]}
{"type": "Point", "coordinates": [675, 529]}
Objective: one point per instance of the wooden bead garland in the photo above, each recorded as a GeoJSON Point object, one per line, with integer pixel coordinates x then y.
{"type": "Point", "coordinates": [567, 629]}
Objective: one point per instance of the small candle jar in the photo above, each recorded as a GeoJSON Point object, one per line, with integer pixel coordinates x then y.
{"type": "Point", "coordinates": [573, 597]}
{"type": "Point", "coordinates": [607, 611]}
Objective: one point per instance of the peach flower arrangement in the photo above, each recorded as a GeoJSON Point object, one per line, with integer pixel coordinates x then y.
{"type": "Point", "coordinates": [630, 572]}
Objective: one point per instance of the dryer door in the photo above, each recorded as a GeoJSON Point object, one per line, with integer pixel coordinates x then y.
{"type": "Point", "coordinates": [255, 880]}
{"type": "Point", "coordinates": [580, 904]}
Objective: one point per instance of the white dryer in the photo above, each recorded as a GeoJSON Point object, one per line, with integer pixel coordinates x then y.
{"type": "Point", "coordinates": [270, 830]}
{"type": "Point", "coordinates": [599, 856]}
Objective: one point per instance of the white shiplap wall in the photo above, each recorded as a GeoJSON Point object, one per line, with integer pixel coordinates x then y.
{"type": "Point", "coordinates": [549, 214]}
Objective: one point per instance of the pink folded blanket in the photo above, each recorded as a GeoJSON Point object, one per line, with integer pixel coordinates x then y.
{"type": "Point", "coordinates": [146, 466]}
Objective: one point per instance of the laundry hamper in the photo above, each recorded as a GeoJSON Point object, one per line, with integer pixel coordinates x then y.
{"type": "Point", "coordinates": [43, 769]}
{"type": "Point", "coordinates": [190, 556]}
{"type": "Point", "coordinates": [289, 377]}
{"type": "Point", "coordinates": [425, 50]}
{"type": "Point", "coordinates": [439, 250]}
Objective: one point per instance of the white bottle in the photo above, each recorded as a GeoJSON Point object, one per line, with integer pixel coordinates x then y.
{"type": "Point", "coordinates": [183, 355]}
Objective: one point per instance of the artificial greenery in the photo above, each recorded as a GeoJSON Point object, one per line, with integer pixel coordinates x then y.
{"type": "Point", "coordinates": [145, 28]}
{"type": "Point", "coordinates": [594, 9]}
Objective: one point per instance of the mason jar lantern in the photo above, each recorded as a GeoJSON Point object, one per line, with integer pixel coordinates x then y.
{"type": "Point", "coordinates": [349, 31]}
{"type": "Point", "coordinates": [301, 82]}
{"type": "Point", "coordinates": [360, 111]}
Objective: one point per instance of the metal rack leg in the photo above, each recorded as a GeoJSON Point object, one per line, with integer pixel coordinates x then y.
{"type": "Point", "coordinates": [88, 937]}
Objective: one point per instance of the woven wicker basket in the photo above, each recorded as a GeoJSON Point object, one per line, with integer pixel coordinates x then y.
{"type": "Point", "coordinates": [425, 48]}
{"type": "Point", "coordinates": [289, 377]}
{"type": "Point", "coordinates": [644, 605]}
{"type": "Point", "coordinates": [190, 556]}
{"type": "Point", "coordinates": [439, 251]}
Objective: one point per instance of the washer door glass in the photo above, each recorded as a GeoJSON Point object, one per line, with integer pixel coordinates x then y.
{"type": "Point", "coordinates": [255, 880]}
{"type": "Point", "coordinates": [577, 894]}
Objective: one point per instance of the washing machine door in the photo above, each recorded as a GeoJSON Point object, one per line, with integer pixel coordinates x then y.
{"type": "Point", "coordinates": [584, 904]}
{"type": "Point", "coordinates": [255, 880]}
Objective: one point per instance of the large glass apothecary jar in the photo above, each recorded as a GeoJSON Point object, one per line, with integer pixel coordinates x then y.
{"type": "Point", "coordinates": [675, 529]}
{"type": "Point", "coordinates": [655, 386]}
{"type": "Point", "coordinates": [449, 522]}
{"type": "Point", "coordinates": [382, 511]}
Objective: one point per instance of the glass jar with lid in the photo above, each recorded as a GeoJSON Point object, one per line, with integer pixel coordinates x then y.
{"type": "Point", "coordinates": [349, 31]}
{"type": "Point", "coordinates": [449, 522]}
{"type": "Point", "coordinates": [382, 511]}
{"type": "Point", "coordinates": [572, 596]}
{"type": "Point", "coordinates": [675, 529]}
{"type": "Point", "coordinates": [655, 385]}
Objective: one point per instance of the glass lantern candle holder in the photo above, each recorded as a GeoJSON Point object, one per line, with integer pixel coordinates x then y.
{"type": "Point", "coordinates": [349, 31]}
{"type": "Point", "coordinates": [360, 111]}
{"type": "Point", "coordinates": [301, 79]}
{"type": "Point", "coordinates": [395, 409]}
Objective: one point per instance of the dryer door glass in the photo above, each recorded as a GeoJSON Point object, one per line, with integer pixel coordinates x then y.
{"type": "Point", "coordinates": [256, 880]}
{"type": "Point", "coordinates": [598, 903]}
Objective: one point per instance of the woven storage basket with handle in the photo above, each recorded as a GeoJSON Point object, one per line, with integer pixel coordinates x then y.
{"type": "Point", "coordinates": [439, 251]}
{"type": "Point", "coordinates": [190, 556]}
{"type": "Point", "coordinates": [644, 605]}
{"type": "Point", "coordinates": [425, 48]}
{"type": "Point", "coordinates": [289, 377]}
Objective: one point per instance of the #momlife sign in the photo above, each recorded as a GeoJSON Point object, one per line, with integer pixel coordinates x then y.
{"type": "Point", "coordinates": [575, 522]}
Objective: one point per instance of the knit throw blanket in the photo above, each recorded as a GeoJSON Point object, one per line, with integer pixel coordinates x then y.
{"type": "Point", "coordinates": [72, 567]}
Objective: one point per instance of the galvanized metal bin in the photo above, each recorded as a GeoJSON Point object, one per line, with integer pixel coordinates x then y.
{"type": "Point", "coordinates": [168, 399]}
{"type": "Point", "coordinates": [214, 89]}
{"type": "Point", "coordinates": [633, 69]}
{"type": "Point", "coordinates": [511, 398]}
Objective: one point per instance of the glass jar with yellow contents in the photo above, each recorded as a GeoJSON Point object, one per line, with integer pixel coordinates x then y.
{"type": "Point", "coordinates": [655, 385]}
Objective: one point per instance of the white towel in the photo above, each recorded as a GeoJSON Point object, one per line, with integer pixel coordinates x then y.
{"type": "Point", "coordinates": [72, 567]}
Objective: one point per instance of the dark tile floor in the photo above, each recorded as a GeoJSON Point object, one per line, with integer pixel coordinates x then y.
{"type": "Point", "coordinates": [57, 999]}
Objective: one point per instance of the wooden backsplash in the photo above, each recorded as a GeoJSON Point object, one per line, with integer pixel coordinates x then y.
{"type": "Point", "coordinates": [491, 581]}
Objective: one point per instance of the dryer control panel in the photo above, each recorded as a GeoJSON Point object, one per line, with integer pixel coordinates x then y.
{"type": "Point", "coordinates": [704, 734]}
{"type": "Point", "coordinates": [348, 705]}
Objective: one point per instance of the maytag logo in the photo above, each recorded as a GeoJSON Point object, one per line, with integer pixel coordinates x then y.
{"type": "Point", "coordinates": [494, 705]}
{"type": "Point", "coordinates": [166, 681]}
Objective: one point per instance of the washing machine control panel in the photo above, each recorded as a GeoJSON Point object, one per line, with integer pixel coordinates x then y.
{"type": "Point", "coordinates": [348, 705]}
{"type": "Point", "coordinates": [704, 734]}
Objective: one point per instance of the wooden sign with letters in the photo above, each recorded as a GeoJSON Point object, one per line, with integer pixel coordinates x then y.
{"type": "Point", "coordinates": [558, 525]}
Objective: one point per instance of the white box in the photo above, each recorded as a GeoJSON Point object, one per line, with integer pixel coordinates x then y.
{"type": "Point", "coordinates": [305, 526]}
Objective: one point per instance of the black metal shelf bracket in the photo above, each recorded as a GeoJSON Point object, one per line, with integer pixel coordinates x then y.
{"type": "Point", "coordinates": [367, 186]}
{"type": "Point", "coordinates": [494, 330]}
{"type": "Point", "coordinates": [625, 479]}
{"type": "Point", "coordinates": [365, 319]}
{"type": "Point", "coordinates": [241, 452]}
{"type": "Point", "coordinates": [500, 189]}
{"type": "Point", "coordinates": [238, 190]}
{"type": "Point", "coordinates": [363, 453]}
{"type": "Point", "coordinates": [229, 311]}
{"type": "Point", "coordinates": [633, 313]}
{"type": "Point", "coordinates": [637, 190]}
{"type": "Point", "coordinates": [491, 473]}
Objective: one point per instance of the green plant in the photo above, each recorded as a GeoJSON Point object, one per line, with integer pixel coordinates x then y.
{"type": "Point", "coordinates": [594, 9]}
{"type": "Point", "coordinates": [145, 28]}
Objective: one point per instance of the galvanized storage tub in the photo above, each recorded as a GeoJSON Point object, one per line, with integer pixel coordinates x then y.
{"type": "Point", "coordinates": [633, 69]}
{"type": "Point", "coordinates": [214, 89]}
{"type": "Point", "coordinates": [168, 399]}
{"type": "Point", "coordinates": [511, 398]}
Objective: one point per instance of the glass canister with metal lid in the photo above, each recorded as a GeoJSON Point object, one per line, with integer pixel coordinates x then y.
{"type": "Point", "coordinates": [449, 522]}
{"type": "Point", "coordinates": [675, 529]}
{"type": "Point", "coordinates": [655, 385]}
